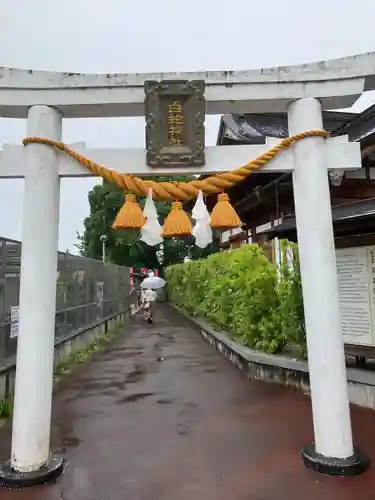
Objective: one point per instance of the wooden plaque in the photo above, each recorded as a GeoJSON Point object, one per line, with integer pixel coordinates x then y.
{"type": "Point", "coordinates": [175, 114]}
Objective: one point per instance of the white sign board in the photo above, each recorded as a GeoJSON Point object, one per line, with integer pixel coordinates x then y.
{"type": "Point", "coordinates": [13, 322]}
{"type": "Point", "coordinates": [99, 293]}
{"type": "Point", "coordinates": [356, 276]}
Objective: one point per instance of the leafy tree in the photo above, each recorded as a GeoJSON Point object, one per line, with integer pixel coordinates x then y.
{"type": "Point", "coordinates": [124, 247]}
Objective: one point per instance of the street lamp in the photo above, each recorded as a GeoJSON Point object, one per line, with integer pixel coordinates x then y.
{"type": "Point", "coordinates": [103, 239]}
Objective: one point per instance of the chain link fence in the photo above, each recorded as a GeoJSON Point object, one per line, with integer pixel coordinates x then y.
{"type": "Point", "coordinates": [88, 291]}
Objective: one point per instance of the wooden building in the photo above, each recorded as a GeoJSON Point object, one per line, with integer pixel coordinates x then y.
{"type": "Point", "coordinates": [264, 201]}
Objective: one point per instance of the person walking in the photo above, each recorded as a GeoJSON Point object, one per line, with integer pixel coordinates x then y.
{"type": "Point", "coordinates": [148, 298]}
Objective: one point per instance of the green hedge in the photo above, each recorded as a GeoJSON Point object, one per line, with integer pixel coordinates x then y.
{"type": "Point", "coordinates": [241, 292]}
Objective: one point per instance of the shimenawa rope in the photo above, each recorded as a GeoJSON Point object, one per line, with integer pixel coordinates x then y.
{"type": "Point", "coordinates": [180, 191]}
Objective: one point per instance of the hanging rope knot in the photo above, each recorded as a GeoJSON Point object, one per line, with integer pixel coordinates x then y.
{"type": "Point", "coordinates": [177, 223]}
{"type": "Point", "coordinates": [130, 215]}
{"type": "Point", "coordinates": [224, 216]}
{"type": "Point", "coordinates": [176, 205]}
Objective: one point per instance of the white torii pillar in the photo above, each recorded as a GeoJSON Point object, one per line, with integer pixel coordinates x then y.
{"type": "Point", "coordinates": [332, 451]}
{"type": "Point", "coordinates": [226, 92]}
{"type": "Point", "coordinates": [31, 462]}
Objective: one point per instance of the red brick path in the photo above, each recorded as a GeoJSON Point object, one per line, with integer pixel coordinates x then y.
{"type": "Point", "coordinates": [162, 416]}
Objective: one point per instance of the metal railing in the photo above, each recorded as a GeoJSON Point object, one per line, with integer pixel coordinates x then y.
{"type": "Point", "coordinates": [87, 292]}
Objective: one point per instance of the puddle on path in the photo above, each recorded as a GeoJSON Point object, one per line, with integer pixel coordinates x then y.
{"type": "Point", "coordinates": [132, 398]}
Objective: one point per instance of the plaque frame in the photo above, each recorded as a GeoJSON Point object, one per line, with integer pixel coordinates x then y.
{"type": "Point", "coordinates": [191, 96]}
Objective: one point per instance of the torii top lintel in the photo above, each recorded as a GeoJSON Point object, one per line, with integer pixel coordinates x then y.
{"type": "Point", "coordinates": [337, 83]}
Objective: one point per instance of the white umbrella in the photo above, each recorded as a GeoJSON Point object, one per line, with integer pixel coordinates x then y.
{"type": "Point", "coordinates": [153, 283]}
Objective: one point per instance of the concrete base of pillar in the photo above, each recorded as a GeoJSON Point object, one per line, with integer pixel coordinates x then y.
{"type": "Point", "coordinates": [10, 478]}
{"type": "Point", "coordinates": [351, 466]}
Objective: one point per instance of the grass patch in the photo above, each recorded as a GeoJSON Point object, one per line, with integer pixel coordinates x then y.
{"type": "Point", "coordinates": [6, 407]}
{"type": "Point", "coordinates": [78, 357]}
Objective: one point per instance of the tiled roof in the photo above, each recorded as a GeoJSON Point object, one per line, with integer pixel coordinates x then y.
{"type": "Point", "coordinates": [254, 128]}
{"type": "Point", "coordinates": [347, 211]}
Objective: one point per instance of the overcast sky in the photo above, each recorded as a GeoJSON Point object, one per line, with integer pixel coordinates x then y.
{"type": "Point", "coordinates": [166, 35]}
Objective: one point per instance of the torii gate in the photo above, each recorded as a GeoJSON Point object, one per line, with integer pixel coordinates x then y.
{"type": "Point", "coordinates": [45, 98]}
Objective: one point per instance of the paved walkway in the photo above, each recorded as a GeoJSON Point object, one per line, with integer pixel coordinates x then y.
{"type": "Point", "coordinates": [162, 416]}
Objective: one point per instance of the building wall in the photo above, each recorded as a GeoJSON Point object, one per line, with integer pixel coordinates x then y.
{"type": "Point", "coordinates": [235, 238]}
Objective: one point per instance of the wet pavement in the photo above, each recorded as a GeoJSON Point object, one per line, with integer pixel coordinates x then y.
{"type": "Point", "coordinates": [162, 416]}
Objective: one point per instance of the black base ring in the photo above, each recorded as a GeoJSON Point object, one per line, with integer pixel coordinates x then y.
{"type": "Point", "coordinates": [357, 464]}
{"type": "Point", "coordinates": [9, 478]}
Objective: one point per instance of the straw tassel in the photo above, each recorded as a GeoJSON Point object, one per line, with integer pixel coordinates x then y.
{"type": "Point", "coordinates": [177, 223]}
{"type": "Point", "coordinates": [224, 216]}
{"type": "Point", "coordinates": [130, 215]}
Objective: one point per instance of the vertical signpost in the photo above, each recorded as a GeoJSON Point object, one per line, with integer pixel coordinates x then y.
{"type": "Point", "coordinates": [175, 114]}
{"type": "Point", "coordinates": [131, 278]}
{"type": "Point", "coordinates": [13, 322]}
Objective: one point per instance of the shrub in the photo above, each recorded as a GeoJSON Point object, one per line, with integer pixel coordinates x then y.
{"type": "Point", "coordinates": [290, 297]}
{"type": "Point", "coordinates": [6, 407]}
{"type": "Point", "coordinates": [235, 291]}
{"type": "Point", "coordinates": [241, 292]}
